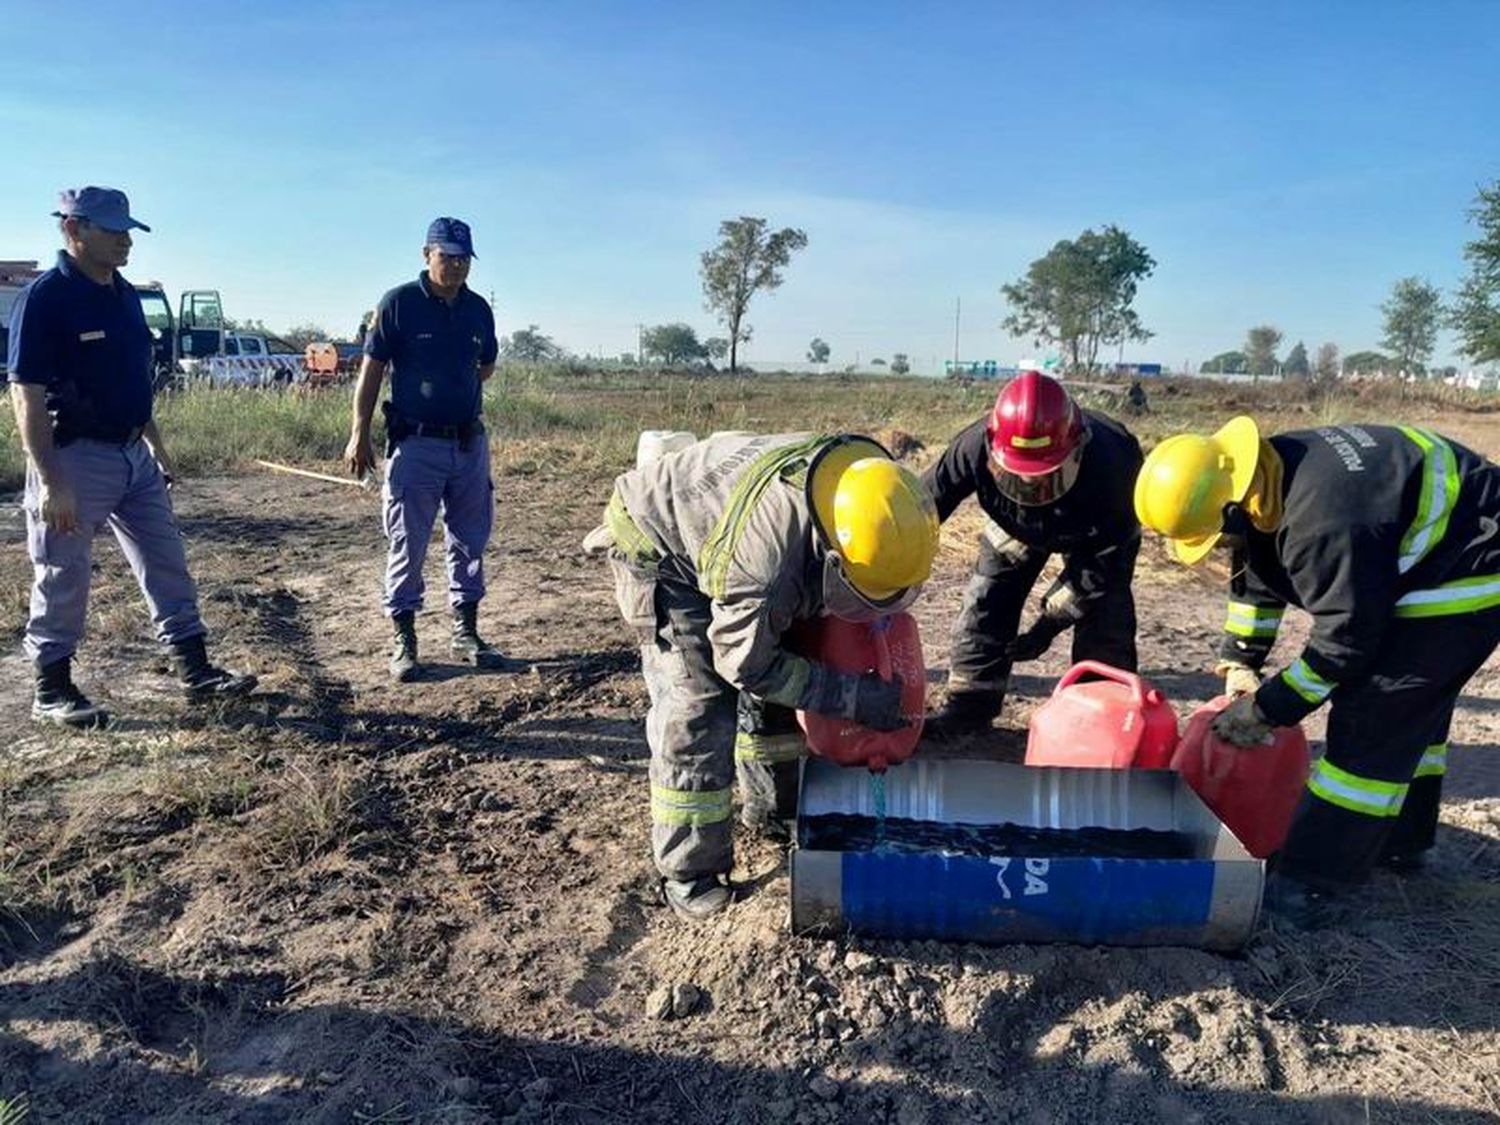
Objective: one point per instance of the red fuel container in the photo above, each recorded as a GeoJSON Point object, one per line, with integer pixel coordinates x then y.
{"type": "Point", "coordinates": [889, 646]}
{"type": "Point", "coordinates": [1254, 790]}
{"type": "Point", "coordinates": [1117, 722]}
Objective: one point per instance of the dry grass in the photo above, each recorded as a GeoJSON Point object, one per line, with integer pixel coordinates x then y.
{"type": "Point", "coordinates": [312, 808]}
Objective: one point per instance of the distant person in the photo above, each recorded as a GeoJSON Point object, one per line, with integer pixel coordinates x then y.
{"type": "Point", "coordinates": [437, 337]}
{"type": "Point", "coordinates": [1135, 399]}
{"type": "Point", "coordinates": [1385, 536]}
{"type": "Point", "coordinates": [1053, 478]}
{"type": "Point", "coordinates": [717, 550]}
{"type": "Point", "coordinates": [81, 363]}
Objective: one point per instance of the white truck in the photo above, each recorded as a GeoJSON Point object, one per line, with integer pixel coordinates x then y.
{"type": "Point", "coordinates": [197, 346]}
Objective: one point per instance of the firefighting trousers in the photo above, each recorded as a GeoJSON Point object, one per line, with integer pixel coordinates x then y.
{"type": "Point", "coordinates": [993, 602]}
{"type": "Point", "coordinates": [1377, 788]}
{"type": "Point", "coordinates": [699, 733]}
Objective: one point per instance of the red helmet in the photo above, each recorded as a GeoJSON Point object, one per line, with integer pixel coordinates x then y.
{"type": "Point", "coordinates": [1035, 431]}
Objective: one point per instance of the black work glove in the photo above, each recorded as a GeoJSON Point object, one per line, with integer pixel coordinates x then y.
{"type": "Point", "coordinates": [1036, 640]}
{"type": "Point", "coordinates": [867, 700]}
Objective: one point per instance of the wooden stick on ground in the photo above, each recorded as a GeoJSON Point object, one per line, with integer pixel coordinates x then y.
{"type": "Point", "coordinates": [367, 482]}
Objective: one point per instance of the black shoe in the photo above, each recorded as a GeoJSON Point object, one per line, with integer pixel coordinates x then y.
{"type": "Point", "coordinates": [60, 702]}
{"type": "Point", "coordinates": [1403, 863]}
{"type": "Point", "coordinates": [203, 682]}
{"type": "Point", "coordinates": [1292, 903]}
{"type": "Point", "coordinates": [963, 714]}
{"type": "Point", "coordinates": [696, 899]}
{"type": "Point", "coordinates": [404, 666]}
{"type": "Point", "coordinates": [470, 648]}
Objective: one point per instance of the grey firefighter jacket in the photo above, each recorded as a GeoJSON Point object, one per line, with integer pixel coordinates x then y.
{"type": "Point", "coordinates": [729, 516]}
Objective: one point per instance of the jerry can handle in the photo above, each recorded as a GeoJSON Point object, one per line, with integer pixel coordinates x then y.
{"type": "Point", "coordinates": [1104, 671]}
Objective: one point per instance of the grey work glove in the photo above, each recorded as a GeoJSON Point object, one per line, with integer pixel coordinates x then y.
{"type": "Point", "coordinates": [1036, 640]}
{"type": "Point", "coordinates": [1243, 723]}
{"type": "Point", "coordinates": [867, 700]}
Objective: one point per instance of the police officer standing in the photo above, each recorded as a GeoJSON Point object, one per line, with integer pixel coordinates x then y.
{"type": "Point", "coordinates": [81, 363]}
{"type": "Point", "coordinates": [438, 339]}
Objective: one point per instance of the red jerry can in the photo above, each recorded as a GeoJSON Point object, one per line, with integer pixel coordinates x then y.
{"type": "Point", "coordinates": [888, 646]}
{"type": "Point", "coordinates": [1254, 790]}
{"type": "Point", "coordinates": [1117, 722]}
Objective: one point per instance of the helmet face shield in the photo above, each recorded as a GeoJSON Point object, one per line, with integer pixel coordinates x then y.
{"type": "Point", "coordinates": [1044, 488]}
{"type": "Point", "coordinates": [843, 599]}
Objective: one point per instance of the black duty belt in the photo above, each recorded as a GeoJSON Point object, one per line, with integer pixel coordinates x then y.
{"type": "Point", "coordinates": [452, 433]}
{"type": "Point", "coordinates": [121, 437]}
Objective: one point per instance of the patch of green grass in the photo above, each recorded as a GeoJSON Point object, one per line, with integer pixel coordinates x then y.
{"type": "Point", "coordinates": [13, 1111]}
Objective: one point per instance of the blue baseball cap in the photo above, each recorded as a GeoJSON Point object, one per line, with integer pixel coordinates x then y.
{"type": "Point", "coordinates": [102, 206]}
{"type": "Point", "coordinates": [452, 237]}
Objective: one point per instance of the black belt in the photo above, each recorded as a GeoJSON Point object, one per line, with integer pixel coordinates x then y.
{"type": "Point", "coordinates": [121, 438]}
{"type": "Point", "coordinates": [452, 433]}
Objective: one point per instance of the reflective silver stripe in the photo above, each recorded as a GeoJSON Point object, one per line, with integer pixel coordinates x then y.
{"type": "Point", "coordinates": [1434, 761]}
{"type": "Point", "coordinates": [1245, 620]}
{"type": "Point", "coordinates": [1439, 495]}
{"type": "Point", "coordinates": [1357, 794]}
{"type": "Point", "coordinates": [1466, 595]}
{"type": "Point", "coordinates": [1307, 683]}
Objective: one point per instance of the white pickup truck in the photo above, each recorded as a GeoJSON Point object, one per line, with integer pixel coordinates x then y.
{"type": "Point", "coordinates": [247, 360]}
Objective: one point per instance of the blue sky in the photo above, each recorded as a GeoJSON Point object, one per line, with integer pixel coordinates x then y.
{"type": "Point", "coordinates": [1285, 163]}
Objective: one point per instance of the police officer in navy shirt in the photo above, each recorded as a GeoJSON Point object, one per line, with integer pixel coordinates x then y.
{"type": "Point", "coordinates": [437, 337]}
{"type": "Point", "coordinates": [81, 363]}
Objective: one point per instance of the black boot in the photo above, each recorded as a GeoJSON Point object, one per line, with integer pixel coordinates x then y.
{"type": "Point", "coordinates": [59, 701]}
{"type": "Point", "coordinates": [964, 713]}
{"type": "Point", "coordinates": [404, 666]}
{"type": "Point", "coordinates": [203, 682]}
{"type": "Point", "coordinates": [694, 900]}
{"type": "Point", "coordinates": [470, 647]}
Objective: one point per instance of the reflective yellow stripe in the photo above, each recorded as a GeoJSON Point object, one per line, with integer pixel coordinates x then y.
{"type": "Point", "coordinates": [1439, 495]}
{"type": "Point", "coordinates": [689, 808]}
{"type": "Point", "coordinates": [1031, 442]}
{"type": "Point", "coordinates": [630, 540]}
{"type": "Point", "coordinates": [768, 747]}
{"type": "Point", "coordinates": [1307, 683]}
{"type": "Point", "coordinates": [718, 548]}
{"type": "Point", "coordinates": [1357, 794]}
{"type": "Point", "coordinates": [1463, 595]}
{"type": "Point", "coordinates": [1246, 620]}
{"type": "Point", "coordinates": [1434, 761]}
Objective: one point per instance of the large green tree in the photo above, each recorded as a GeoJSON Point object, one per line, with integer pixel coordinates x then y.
{"type": "Point", "coordinates": [1412, 313]}
{"type": "Point", "coordinates": [747, 259]}
{"type": "Point", "coordinates": [1475, 312]}
{"type": "Point", "coordinates": [1261, 343]}
{"type": "Point", "coordinates": [1368, 363]}
{"type": "Point", "coordinates": [818, 351]}
{"type": "Point", "coordinates": [1226, 363]}
{"type": "Point", "coordinates": [672, 344]}
{"type": "Point", "coordinates": [531, 345]}
{"type": "Point", "coordinates": [1079, 295]}
{"type": "Point", "coordinates": [1296, 365]}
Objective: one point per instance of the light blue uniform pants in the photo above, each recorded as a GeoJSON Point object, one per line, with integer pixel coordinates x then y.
{"type": "Point", "coordinates": [118, 486]}
{"type": "Point", "coordinates": [423, 475]}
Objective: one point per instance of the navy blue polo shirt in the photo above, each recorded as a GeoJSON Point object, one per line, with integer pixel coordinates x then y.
{"type": "Point", "coordinates": [435, 351]}
{"type": "Point", "coordinates": [88, 344]}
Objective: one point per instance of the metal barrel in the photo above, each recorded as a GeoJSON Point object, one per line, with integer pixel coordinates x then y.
{"type": "Point", "coordinates": [1209, 899]}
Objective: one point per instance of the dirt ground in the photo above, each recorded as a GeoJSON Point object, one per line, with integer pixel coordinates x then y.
{"type": "Point", "coordinates": [352, 901]}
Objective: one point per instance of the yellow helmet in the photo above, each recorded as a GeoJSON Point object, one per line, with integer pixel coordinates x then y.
{"type": "Point", "coordinates": [1188, 479]}
{"type": "Point", "coordinates": [877, 515]}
